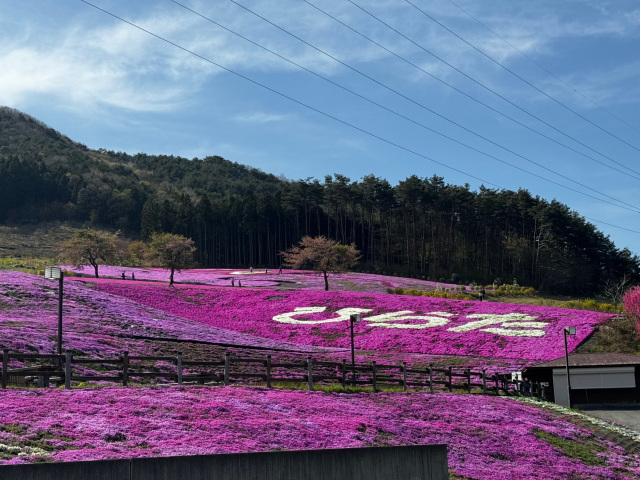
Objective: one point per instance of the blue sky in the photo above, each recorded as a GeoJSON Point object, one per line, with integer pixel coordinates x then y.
{"type": "Point", "coordinates": [559, 96]}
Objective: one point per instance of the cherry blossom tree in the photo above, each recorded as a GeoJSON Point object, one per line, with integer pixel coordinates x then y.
{"type": "Point", "coordinates": [90, 247]}
{"type": "Point", "coordinates": [173, 252]}
{"type": "Point", "coordinates": [631, 301]}
{"type": "Point", "coordinates": [321, 255]}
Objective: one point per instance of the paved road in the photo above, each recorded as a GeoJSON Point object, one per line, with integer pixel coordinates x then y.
{"type": "Point", "coordinates": [627, 415]}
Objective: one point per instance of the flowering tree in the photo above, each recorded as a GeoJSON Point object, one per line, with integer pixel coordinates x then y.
{"type": "Point", "coordinates": [631, 301]}
{"type": "Point", "coordinates": [88, 247]}
{"type": "Point", "coordinates": [173, 252]}
{"type": "Point", "coordinates": [322, 255]}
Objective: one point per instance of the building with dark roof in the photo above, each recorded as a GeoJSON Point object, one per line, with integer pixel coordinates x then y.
{"type": "Point", "coordinates": [596, 378]}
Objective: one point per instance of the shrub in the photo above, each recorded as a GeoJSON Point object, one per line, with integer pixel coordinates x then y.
{"type": "Point", "coordinates": [631, 302]}
{"type": "Point", "coordinates": [514, 290]}
{"type": "Point", "coordinates": [454, 293]}
{"type": "Point", "coordinates": [590, 304]}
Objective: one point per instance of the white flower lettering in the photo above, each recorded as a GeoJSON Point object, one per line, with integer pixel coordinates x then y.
{"type": "Point", "coordinates": [509, 324]}
{"type": "Point", "coordinates": [517, 320]}
{"type": "Point", "coordinates": [434, 319]}
{"type": "Point", "coordinates": [343, 315]}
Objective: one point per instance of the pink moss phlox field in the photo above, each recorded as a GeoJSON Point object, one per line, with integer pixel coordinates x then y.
{"type": "Point", "coordinates": [266, 278]}
{"type": "Point", "coordinates": [484, 435]}
{"type": "Point", "coordinates": [96, 323]}
{"type": "Point", "coordinates": [252, 311]}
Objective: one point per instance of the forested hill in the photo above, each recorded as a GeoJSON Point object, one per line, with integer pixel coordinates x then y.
{"type": "Point", "coordinates": [238, 215]}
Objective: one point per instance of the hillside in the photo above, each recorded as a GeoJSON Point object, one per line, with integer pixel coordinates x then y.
{"type": "Point", "coordinates": [102, 317]}
{"type": "Point", "coordinates": [239, 216]}
{"type": "Point", "coordinates": [45, 175]}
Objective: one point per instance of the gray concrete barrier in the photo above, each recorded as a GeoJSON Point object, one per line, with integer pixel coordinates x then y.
{"type": "Point", "coordinates": [413, 462]}
{"type": "Point", "coordinates": [98, 470]}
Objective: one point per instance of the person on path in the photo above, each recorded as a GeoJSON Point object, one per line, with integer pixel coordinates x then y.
{"type": "Point", "coordinates": [233, 282]}
{"type": "Point", "coordinates": [123, 275]}
{"type": "Point", "coordinates": [239, 283]}
{"type": "Point", "coordinates": [133, 276]}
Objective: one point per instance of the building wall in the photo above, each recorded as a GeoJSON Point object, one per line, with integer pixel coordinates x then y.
{"type": "Point", "coordinates": [424, 462]}
{"type": "Point", "coordinates": [615, 384]}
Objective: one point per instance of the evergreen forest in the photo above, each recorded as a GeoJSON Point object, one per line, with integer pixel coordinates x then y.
{"type": "Point", "coordinates": [240, 216]}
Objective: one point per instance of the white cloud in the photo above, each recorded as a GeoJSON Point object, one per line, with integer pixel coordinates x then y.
{"type": "Point", "coordinates": [260, 117]}
{"type": "Point", "coordinates": [87, 66]}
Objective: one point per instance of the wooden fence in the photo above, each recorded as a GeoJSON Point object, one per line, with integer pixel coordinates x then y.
{"type": "Point", "coordinates": [233, 369]}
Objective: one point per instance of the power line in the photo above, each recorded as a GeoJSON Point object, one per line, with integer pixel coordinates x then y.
{"type": "Point", "coordinates": [244, 77]}
{"type": "Point", "coordinates": [471, 97]}
{"type": "Point", "coordinates": [489, 89]}
{"type": "Point", "coordinates": [293, 99]}
{"type": "Point", "coordinates": [566, 107]}
{"type": "Point", "coordinates": [633, 208]}
{"type": "Point", "coordinates": [612, 225]}
{"type": "Point", "coordinates": [542, 67]}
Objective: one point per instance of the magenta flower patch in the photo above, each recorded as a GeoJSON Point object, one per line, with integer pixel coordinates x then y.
{"type": "Point", "coordinates": [265, 278]}
{"type": "Point", "coordinates": [484, 435]}
{"type": "Point", "coordinates": [390, 323]}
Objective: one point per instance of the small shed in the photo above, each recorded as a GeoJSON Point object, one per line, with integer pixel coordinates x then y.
{"type": "Point", "coordinates": [596, 378]}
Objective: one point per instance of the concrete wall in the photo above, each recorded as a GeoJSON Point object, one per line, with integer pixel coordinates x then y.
{"type": "Point", "coordinates": [414, 462]}
{"type": "Point", "coordinates": [98, 470]}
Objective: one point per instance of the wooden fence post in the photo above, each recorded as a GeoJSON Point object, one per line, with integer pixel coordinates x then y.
{"type": "Point", "coordinates": [373, 376]}
{"type": "Point", "coordinates": [404, 376]}
{"type": "Point", "coordinates": [5, 366]}
{"type": "Point", "coordinates": [431, 378]}
{"type": "Point", "coordinates": [227, 362]}
{"type": "Point", "coordinates": [179, 367]}
{"type": "Point", "coordinates": [344, 372]}
{"type": "Point", "coordinates": [67, 369]}
{"type": "Point", "coordinates": [450, 381]}
{"type": "Point", "coordinates": [484, 381]}
{"type": "Point", "coordinates": [468, 372]}
{"type": "Point", "coordinates": [268, 366]}
{"type": "Point", "coordinates": [125, 368]}
{"type": "Point", "coordinates": [310, 372]}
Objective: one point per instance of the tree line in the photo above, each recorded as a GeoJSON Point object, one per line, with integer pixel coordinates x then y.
{"type": "Point", "coordinates": [421, 227]}
{"type": "Point", "coordinates": [239, 216]}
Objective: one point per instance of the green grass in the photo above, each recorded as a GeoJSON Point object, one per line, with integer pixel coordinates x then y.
{"type": "Point", "coordinates": [332, 388]}
{"type": "Point", "coordinates": [454, 476]}
{"type": "Point", "coordinates": [25, 264]}
{"type": "Point", "coordinates": [583, 449]}
{"type": "Point", "coordinates": [617, 335]}
{"type": "Point", "coordinates": [514, 294]}
{"type": "Point", "coordinates": [575, 304]}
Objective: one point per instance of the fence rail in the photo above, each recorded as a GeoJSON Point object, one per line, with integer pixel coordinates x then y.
{"type": "Point", "coordinates": [234, 369]}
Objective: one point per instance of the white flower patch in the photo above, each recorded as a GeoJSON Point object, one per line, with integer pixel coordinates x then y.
{"type": "Point", "coordinates": [23, 451]}
{"type": "Point", "coordinates": [433, 319]}
{"type": "Point", "coordinates": [513, 325]}
{"type": "Point", "coordinates": [343, 315]}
